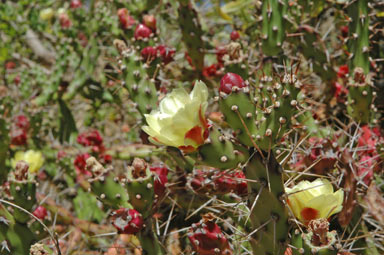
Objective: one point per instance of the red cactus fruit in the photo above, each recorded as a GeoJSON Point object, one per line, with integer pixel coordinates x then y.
{"type": "Point", "coordinates": [10, 65]}
{"type": "Point", "coordinates": [80, 164]}
{"type": "Point", "coordinates": [18, 136]}
{"type": "Point", "coordinates": [161, 179]}
{"type": "Point", "coordinates": [65, 22]}
{"type": "Point", "coordinates": [75, 4]}
{"type": "Point", "coordinates": [107, 158]}
{"type": "Point", "coordinates": [235, 35]}
{"type": "Point", "coordinates": [340, 90]}
{"type": "Point", "coordinates": [210, 71]}
{"type": "Point", "coordinates": [142, 31]}
{"type": "Point", "coordinates": [230, 182]}
{"type": "Point", "coordinates": [207, 238]}
{"type": "Point", "coordinates": [343, 71]}
{"type": "Point", "coordinates": [21, 121]}
{"type": "Point", "coordinates": [229, 81]}
{"type": "Point", "coordinates": [82, 39]}
{"type": "Point", "coordinates": [126, 21]}
{"type": "Point", "coordinates": [166, 53]}
{"type": "Point", "coordinates": [365, 169]}
{"type": "Point", "coordinates": [201, 181]}
{"type": "Point", "coordinates": [241, 186]}
{"type": "Point", "coordinates": [344, 31]}
{"type": "Point", "coordinates": [127, 221]}
{"type": "Point", "coordinates": [150, 21]}
{"type": "Point", "coordinates": [17, 80]}
{"type": "Point", "coordinates": [90, 138]}
{"type": "Point", "coordinates": [148, 53]}
{"type": "Point", "coordinates": [220, 53]}
{"type": "Point", "coordinates": [40, 212]}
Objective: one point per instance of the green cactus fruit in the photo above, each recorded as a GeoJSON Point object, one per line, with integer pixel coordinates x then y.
{"type": "Point", "coordinates": [192, 33]}
{"type": "Point", "coordinates": [23, 191]}
{"type": "Point", "coordinates": [273, 26]}
{"type": "Point", "coordinates": [105, 185]}
{"type": "Point", "coordinates": [140, 187]}
{"type": "Point", "coordinates": [220, 152]}
{"type": "Point", "coordinates": [268, 213]}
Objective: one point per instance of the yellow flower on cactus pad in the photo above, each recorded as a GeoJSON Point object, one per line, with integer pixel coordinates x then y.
{"type": "Point", "coordinates": [34, 159]}
{"type": "Point", "coordinates": [180, 120]}
{"type": "Point", "coordinates": [314, 200]}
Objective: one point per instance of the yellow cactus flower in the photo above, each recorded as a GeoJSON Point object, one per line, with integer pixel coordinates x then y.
{"type": "Point", "coordinates": [46, 14]}
{"type": "Point", "coordinates": [180, 120]}
{"type": "Point", "coordinates": [34, 159]}
{"type": "Point", "coordinates": [314, 200]}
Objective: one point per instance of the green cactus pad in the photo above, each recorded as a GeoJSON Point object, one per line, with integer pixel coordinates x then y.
{"type": "Point", "coordinates": [273, 32]}
{"type": "Point", "coordinates": [269, 215]}
{"type": "Point", "coordinates": [192, 33]}
{"type": "Point", "coordinates": [141, 192]}
{"type": "Point", "coordinates": [218, 151]}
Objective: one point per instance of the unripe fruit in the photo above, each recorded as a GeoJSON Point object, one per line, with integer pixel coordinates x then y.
{"type": "Point", "coordinates": [229, 81]}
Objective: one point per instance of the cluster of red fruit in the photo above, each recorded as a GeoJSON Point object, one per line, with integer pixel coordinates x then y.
{"type": "Point", "coordinates": [214, 181]}
{"type": "Point", "coordinates": [213, 70]}
{"type": "Point", "coordinates": [94, 140]}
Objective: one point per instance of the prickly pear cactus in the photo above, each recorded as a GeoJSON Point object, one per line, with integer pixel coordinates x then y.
{"type": "Point", "coordinates": [191, 127]}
